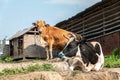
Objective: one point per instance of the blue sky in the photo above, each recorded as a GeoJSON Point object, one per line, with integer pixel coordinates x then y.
{"type": "Point", "coordinates": [16, 15]}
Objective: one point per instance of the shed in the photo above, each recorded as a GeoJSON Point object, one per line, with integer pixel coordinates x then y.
{"type": "Point", "coordinates": [26, 44]}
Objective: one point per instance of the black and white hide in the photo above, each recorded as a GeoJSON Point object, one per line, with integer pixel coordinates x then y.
{"type": "Point", "coordinates": [86, 56]}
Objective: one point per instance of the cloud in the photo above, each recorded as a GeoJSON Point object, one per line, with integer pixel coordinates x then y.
{"type": "Point", "coordinates": [71, 2]}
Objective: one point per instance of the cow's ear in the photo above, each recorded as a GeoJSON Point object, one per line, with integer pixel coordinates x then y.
{"type": "Point", "coordinates": [47, 25]}
{"type": "Point", "coordinates": [34, 24]}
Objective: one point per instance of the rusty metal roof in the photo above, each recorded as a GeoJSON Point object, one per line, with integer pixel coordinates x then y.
{"type": "Point", "coordinates": [21, 32]}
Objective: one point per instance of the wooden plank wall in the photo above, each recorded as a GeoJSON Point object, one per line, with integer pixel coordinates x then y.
{"type": "Point", "coordinates": [100, 22]}
{"type": "Point", "coordinates": [32, 47]}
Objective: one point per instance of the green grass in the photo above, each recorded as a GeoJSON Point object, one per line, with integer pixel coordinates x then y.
{"type": "Point", "coordinates": [43, 67]}
{"type": "Point", "coordinates": [7, 59]}
{"type": "Point", "coordinates": [32, 68]}
{"type": "Point", "coordinates": [113, 61]}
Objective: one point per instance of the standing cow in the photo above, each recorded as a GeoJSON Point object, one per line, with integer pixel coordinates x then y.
{"type": "Point", "coordinates": [87, 56]}
{"type": "Point", "coordinates": [54, 37]}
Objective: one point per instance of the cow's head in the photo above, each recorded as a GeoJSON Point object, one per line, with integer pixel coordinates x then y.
{"type": "Point", "coordinates": [40, 25]}
{"type": "Point", "coordinates": [75, 63]}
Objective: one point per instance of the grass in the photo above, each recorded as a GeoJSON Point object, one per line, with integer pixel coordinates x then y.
{"type": "Point", "coordinates": [7, 59]}
{"type": "Point", "coordinates": [32, 68]}
{"type": "Point", "coordinates": [113, 61]}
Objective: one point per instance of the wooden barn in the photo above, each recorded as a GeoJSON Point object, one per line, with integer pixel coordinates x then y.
{"type": "Point", "coordinates": [25, 43]}
{"type": "Point", "coordinates": [99, 22]}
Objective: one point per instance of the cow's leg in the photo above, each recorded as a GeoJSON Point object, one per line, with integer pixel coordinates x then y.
{"type": "Point", "coordinates": [88, 67]}
{"type": "Point", "coordinates": [99, 65]}
{"type": "Point", "coordinates": [47, 53]}
{"type": "Point", "coordinates": [50, 49]}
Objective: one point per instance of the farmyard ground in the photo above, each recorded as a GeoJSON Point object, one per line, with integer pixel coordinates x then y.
{"type": "Point", "coordinates": [61, 74]}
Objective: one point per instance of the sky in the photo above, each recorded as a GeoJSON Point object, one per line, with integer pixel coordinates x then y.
{"type": "Point", "coordinates": [16, 15]}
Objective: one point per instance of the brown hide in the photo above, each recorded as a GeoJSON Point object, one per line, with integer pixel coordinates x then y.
{"type": "Point", "coordinates": [55, 37]}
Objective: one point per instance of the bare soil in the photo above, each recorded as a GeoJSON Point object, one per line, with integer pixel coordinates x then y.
{"type": "Point", "coordinates": [61, 72]}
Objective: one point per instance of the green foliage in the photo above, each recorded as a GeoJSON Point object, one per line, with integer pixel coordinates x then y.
{"type": "Point", "coordinates": [7, 59]}
{"type": "Point", "coordinates": [7, 71]}
{"type": "Point", "coordinates": [43, 67]}
{"type": "Point", "coordinates": [31, 68]}
{"type": "Point", "coordinates": [116, 52]}
{"type": "Point", "coordinates": [1, 59]}
{"type": "Point", "coordinates": [47, 67]}
{"type": "Point", "coordinates": [113, 60]}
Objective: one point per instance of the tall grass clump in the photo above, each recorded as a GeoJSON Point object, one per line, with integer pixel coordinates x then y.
{"type": "Point", "coordinates": [113, 60]}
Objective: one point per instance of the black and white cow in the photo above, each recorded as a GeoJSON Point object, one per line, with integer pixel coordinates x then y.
{"type": "Point", "coordinates": [86, 56]}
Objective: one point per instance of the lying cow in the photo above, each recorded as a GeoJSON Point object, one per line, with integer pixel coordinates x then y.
{"type": "Point", "coordinates": [54, 37]}
{"type": "Point", "coordinates": [87, 56]}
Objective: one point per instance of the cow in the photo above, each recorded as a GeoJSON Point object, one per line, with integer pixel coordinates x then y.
{"type": "Point", "coordinates": [54, 37]}
{"type": "Point", "coordinates": [85, 55]}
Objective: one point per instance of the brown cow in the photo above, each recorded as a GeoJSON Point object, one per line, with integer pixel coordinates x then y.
{"type": "Point", "coordinates": [54, 37]}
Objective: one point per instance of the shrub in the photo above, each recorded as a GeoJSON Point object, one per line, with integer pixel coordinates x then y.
{"type": "Point", "coordinates": [113, 60]}
{"type": "Point", "coordinates": [116, 52]}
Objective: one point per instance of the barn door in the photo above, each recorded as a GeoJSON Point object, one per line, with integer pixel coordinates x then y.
{"type": "Point", "coordinates": [11, 48]}
{"type": "Point", "coordinates": [20, 46]}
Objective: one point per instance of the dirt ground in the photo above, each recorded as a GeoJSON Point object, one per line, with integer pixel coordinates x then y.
{"type": "Point", "coordinates": [61, 72]}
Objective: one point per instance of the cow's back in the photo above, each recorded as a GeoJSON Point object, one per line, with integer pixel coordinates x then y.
{"type": "Point", "coordinates": [90, 52]}
{"type": "Point", "coordinates": [58, 36]}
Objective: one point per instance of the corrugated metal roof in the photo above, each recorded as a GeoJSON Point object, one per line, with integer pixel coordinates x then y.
{"type": "Point", "coordinates": [21, 32]}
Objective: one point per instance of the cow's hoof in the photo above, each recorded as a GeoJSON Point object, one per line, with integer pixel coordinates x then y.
{"type": "Point", "coordinates": [51, 58]}
{"type": "Point", "coordinates": [47, 59]}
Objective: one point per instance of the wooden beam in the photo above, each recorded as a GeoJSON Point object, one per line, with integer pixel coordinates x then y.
{"type": "Point", "coordinates": [97, 26]}
{"type": "Point", "coordinates": [99, 13]}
